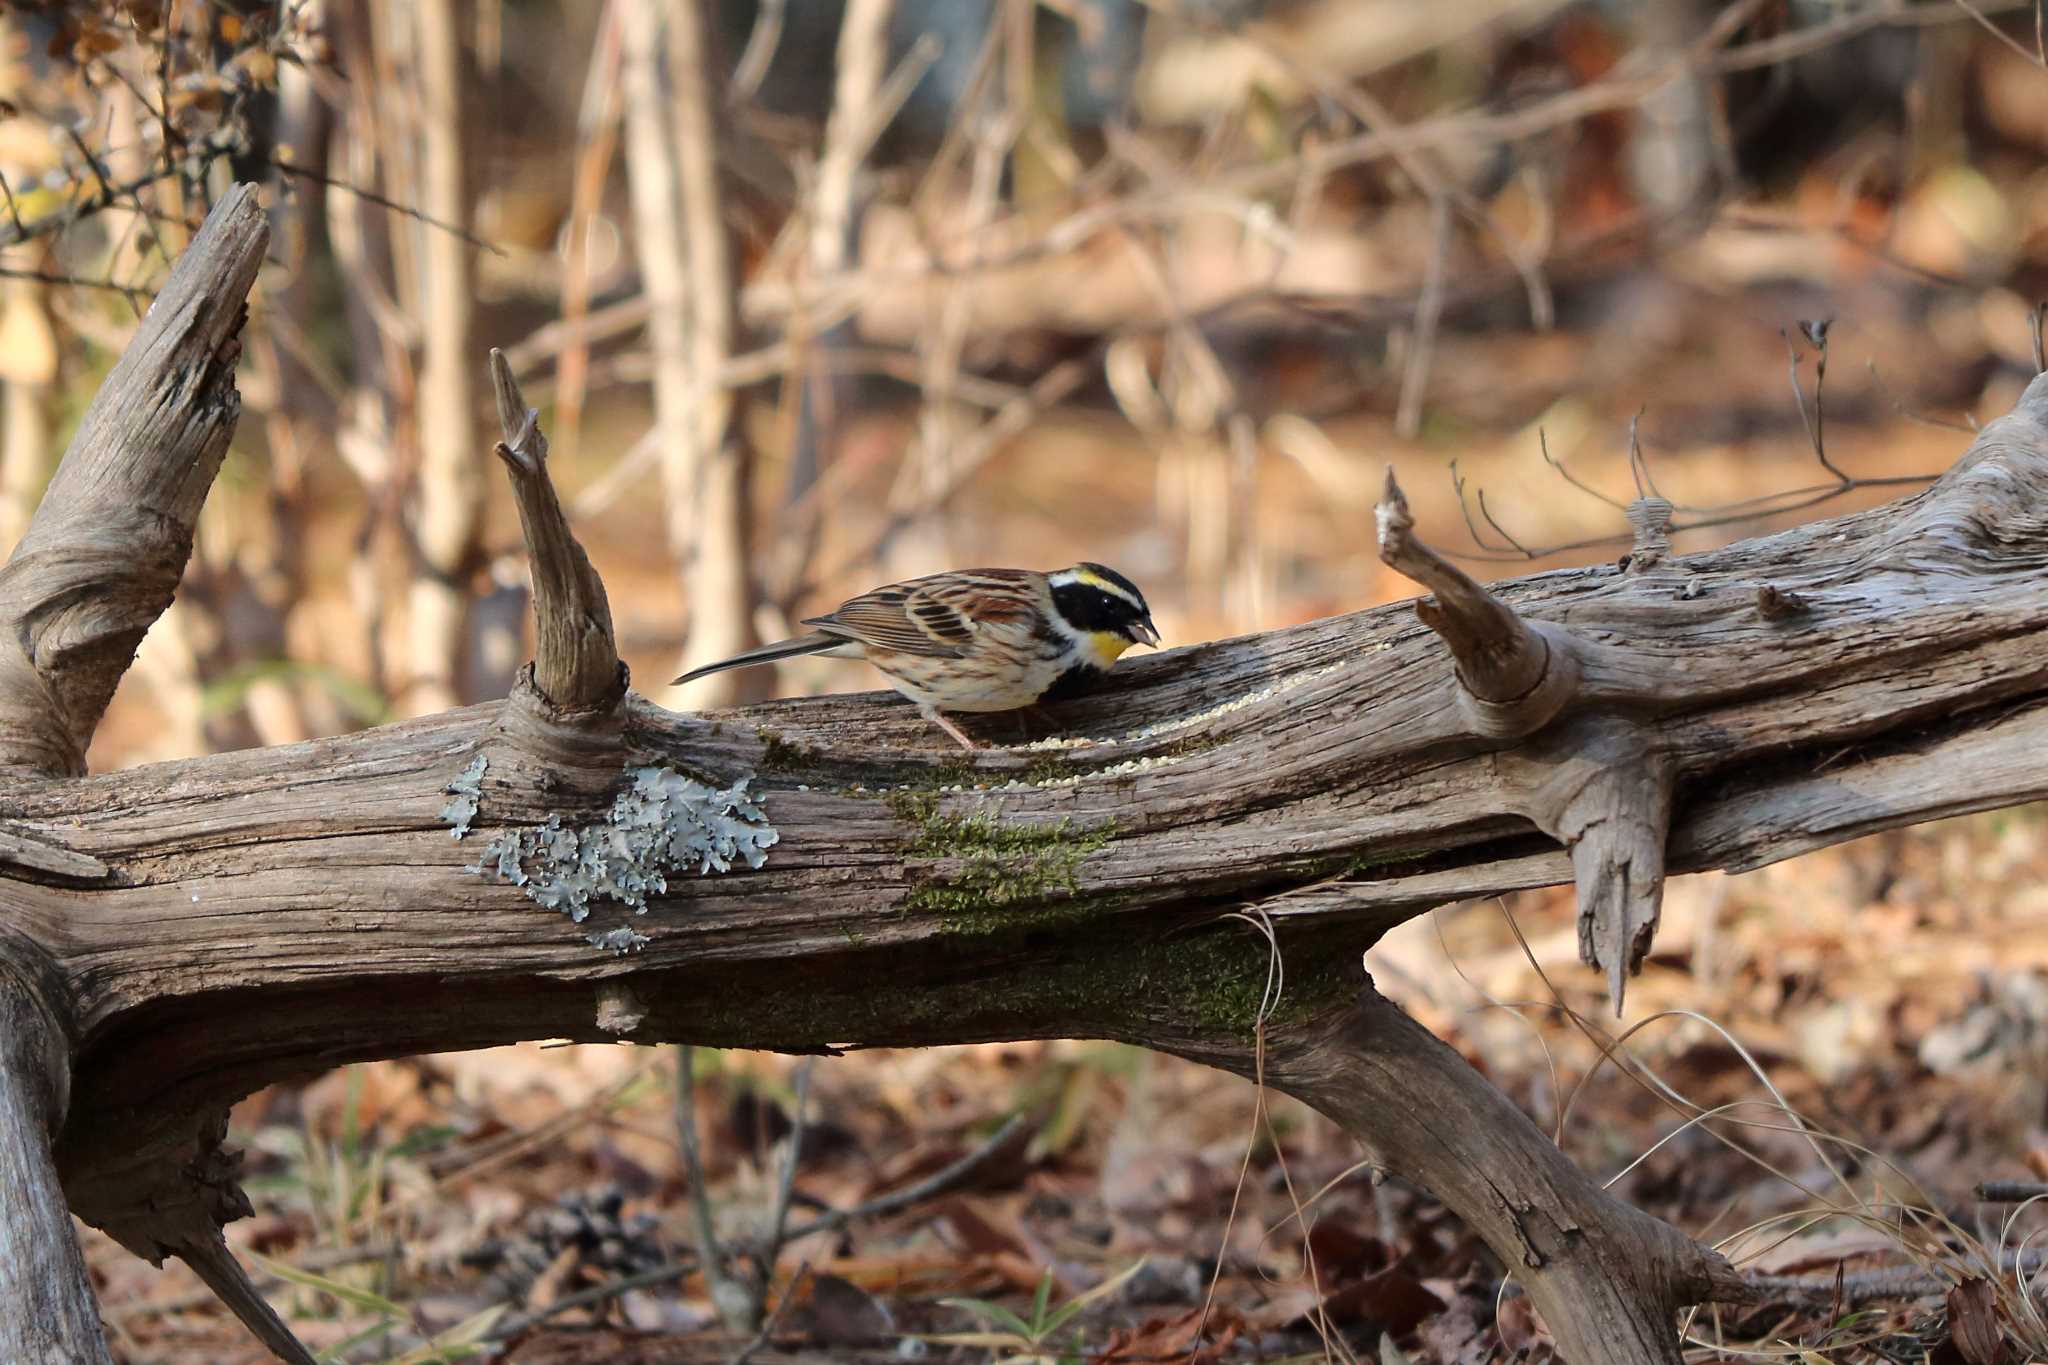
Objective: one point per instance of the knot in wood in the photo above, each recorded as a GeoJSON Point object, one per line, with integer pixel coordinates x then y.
{"type": "Point", "coordinates": [1651, 518]}
{"type": "Point", "coordinates": [1774, 603]}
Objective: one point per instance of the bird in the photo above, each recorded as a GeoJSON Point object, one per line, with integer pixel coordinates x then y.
{"type": "Point", "coordinates": [977, 640]}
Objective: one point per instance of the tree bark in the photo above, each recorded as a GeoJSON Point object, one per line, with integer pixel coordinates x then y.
{"type": "Point", "coordinates": [50, 1316]}
{"type": "Point", "coordinates": [817, 874]}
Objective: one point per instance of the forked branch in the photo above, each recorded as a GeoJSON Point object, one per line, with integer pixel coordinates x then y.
{"type": "Point", "coordinates": [1599, 786]}
{"type": "Point", "coordinates": [1514, 674]}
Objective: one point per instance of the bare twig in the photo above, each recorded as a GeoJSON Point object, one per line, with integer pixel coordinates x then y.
{"type": "Point", "coordinates": [668, 1272]}
{"type": "Point", "coordinates": [728, 1293]}
{"type": "Point", "coordinates": [1638, 465]}
{"type": "Point", "coordinates": [1465, 507]}
{"type": "Point", "coordinates": [1793, 500]}
{"type": "Point", "coordinates": [1428, 312]}
{"type": "Point", "coordinates": [798, 1117]}
{"type": "Point", "coordinates": [774, 1319]}
{"type": "Point", "coordinates": [1763, 505]}
{"type": "Point", "coordinates": [1543, 444]}
{"type": "Point", "coordinates": [941, 1181]}
{"type": "Point", "coordinates": [1984, 21]}
{"type": "Point", "coordinates": [2011, 1191]}
{"type": "Point", "coordinates": [984, 444]}
{"type": "Point", "coordinates": [759, 53]}
{"type": "Point", "coordinates": [785, 1188]}
{"type": "Point", "coordinates": [77, 281]}
{"type": "Point", "coordinates": [382, 201]}
{"type": "Point", "coordinates": [13, 209]}
{"type": "Point", "coordinates": [1969, 425]}
{"type": "Point", "coordinates": [1499, 529]}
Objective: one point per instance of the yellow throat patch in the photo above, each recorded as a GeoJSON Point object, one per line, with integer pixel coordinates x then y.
{"type": "Point", "coordinates": [1102, 647]}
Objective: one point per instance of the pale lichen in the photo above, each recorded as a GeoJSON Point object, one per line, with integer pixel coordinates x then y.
{"type": "Point", "coordinates": [466, 794]}
{"type": "Point", "coordinates": [621, 941]}
{"type": "Point", "coordinates": [662, 823]}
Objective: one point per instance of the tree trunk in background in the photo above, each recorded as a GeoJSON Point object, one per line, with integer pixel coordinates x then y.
{"type": "Point", "coordinates": [450, 484]}
{"type": "Point", "coordinates": [719, 460]}
{"type": "Point", "coordinates": [28, 364]}
{"type": "Point", "coordinates": [821, 393]}
{"type": "Point", "coordinates": [658, 244]}
{"type": "Point", "coordinates": [1673, 156]}
{"type": "Point", "coordinates": [687, 268]}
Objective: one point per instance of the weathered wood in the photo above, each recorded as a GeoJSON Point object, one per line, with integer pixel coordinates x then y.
{"type": "Point", "coordinates": [107, 546]}
{"type": "Point", "coordinates": [1602, 787]}
{"type": "Point", "coordinates": [1515, 676]}
{"type": "Point", "coordinates": [48, 1315]}
{"type": "Point", "coordinates": [576, 656]}
{"type": "Point", "coordinates": [98, 564]}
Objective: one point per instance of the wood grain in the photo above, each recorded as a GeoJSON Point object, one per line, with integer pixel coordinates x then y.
{"type": "Point", "coordinates": [107, 546]}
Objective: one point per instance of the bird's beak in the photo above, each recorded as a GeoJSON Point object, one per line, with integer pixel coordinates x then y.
{"type": "Point", "coordinates": [1144, 632]}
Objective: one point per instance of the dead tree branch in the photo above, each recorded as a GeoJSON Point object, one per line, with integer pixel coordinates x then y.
{"type": "Point", "coordinates": [96, 567]}
{"type": "Point", "coordinates": [1606, 1297]}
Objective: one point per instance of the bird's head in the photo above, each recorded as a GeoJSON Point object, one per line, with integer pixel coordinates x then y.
{"type": "Point", "coordinates": [1104, 609]}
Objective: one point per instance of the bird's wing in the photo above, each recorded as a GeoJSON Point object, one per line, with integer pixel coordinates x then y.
{"type": "Point", "coordinates": [939, 616]}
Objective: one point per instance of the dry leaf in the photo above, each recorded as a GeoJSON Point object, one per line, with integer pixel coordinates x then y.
{"type": "Point", "coordinates": [1973, 1322]}
{"type": "Point", "coordinates": [1195, 1337]}
{"type": "Point", "coordinates": [1521, 1331]}
{"type": "Point", "coordinates": [1392, 1298]}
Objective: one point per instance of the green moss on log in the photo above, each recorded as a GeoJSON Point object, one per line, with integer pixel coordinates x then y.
{"type": "Point", "coordinates": [998, 866]}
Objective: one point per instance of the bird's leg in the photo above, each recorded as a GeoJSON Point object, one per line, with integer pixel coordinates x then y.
{"type": "Point", "coordinates": [938, 718]}
{"type": "Point", "coordinates": [1027, 718]}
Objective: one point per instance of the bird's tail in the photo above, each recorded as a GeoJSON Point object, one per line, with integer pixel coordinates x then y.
{"type": "Point", "coordinates": [816, 643]}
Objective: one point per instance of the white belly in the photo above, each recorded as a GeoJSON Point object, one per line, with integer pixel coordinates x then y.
{"type": "Point", "coordinates": [984, 692]}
